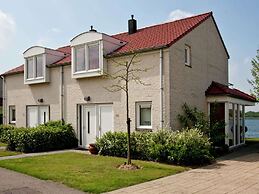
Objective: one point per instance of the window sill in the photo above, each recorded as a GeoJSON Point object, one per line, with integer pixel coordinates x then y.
{"type": "Point", "coordinates": [89, 73]}
{"type": "Point", "coordinates": [12, 123]}
{"type": "Point", "coordinates": [188, 65]}
{"type": "Point", "coordinates": [144, 129]}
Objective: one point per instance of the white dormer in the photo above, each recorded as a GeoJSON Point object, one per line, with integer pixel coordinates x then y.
{"type": "Point", "coordinates": [88, 51]}
{"type": "Point", "coordinates": [36, 60]}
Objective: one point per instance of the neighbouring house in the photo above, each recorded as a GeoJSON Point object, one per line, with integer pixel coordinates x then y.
{"type": "Point", "coordinates": [1, 100]}
{"type": "Point", "coordinates": [187, 61]}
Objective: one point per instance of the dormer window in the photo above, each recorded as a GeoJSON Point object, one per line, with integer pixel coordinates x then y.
{"type": "Point", "coordinates": [87, 57]}
{"type": "Point", "coordinates": [88, 53]}
{"type": "Point", "coordinates": [36, 60]}
{"type": "Point", "coordinates": [34, 66]}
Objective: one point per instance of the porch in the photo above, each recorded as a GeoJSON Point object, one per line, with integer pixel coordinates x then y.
{"type": "Point", "coordinates": [228, 105]}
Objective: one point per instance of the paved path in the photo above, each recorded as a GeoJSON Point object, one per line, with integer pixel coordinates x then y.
{"type": "Point", "coordinates": [16, 183]}
{"type": "Point", "coordinates": [235, 173]}
{"type": "Point", "coordinates": [41, 154]}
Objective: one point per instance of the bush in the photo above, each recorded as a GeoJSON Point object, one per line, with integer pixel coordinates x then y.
{"type": "Point", "coordinates": [4, 128]}
{"type": "Point", "coordinates": [50, 136]}
{"type": "Point", "coordinates": [189, 147]}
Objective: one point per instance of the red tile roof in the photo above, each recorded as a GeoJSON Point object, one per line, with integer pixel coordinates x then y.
{"type": "Point", "coordinates": [217, 89]}
{"type": "Point", "coordinates": [18, 69]}
{"type": "Point", "coordinates": [153, 37]}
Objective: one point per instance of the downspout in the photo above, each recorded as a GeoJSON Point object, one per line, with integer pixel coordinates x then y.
{"type": "Point", "coordinates": [4, 102]}
{"type": "Point", "coordinates": [161, 90]}
{"type": "Point", "coordinates": [62, 93]}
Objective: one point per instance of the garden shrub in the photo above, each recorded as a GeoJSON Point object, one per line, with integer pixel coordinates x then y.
{"type": "Point", "coordinates": [4, 128]}
{"type": "Point", "coordinates": [189, 147]}
{"type": "Point", "coordinates": [50, 136]}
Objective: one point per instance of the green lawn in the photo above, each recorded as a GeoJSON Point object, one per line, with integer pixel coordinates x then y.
{"type": "Point", "coordinates": [94, 174]}
{"type": "Point", "coordinates": [2, 144]}
{"type": "Point", "coordinates": [252, 139]}
{"type": "Point", "coordinates": [8, 153]}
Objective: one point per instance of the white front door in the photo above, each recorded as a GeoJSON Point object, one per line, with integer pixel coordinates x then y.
{"type": "Point", "coordinates": [89, 125]}
{"type": "Point", "coordinates": [94, 121]}
{"type": "Point", "coordinates": [37, 115]}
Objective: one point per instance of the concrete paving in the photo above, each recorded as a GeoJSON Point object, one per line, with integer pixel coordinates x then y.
{"type": "Point", "coordinates": [16, 183]}
{"type": "Point", "coordinates": [235, 173]}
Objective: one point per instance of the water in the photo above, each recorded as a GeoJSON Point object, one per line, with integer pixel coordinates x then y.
{"type": "Point", "coordinates": [253, 127]}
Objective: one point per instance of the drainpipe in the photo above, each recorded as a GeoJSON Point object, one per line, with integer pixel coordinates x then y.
{"type": "Point", "coordinates": [62, 93]}
{"type": "Point", "coordinates": [4, 101]}
{"type": "Point", "coordinates": [161, 90]}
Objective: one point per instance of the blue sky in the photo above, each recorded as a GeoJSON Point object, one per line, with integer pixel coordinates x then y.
{"type": "Point", "coordinates": [52, 23]}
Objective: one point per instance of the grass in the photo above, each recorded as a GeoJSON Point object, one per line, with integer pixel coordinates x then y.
{"type": "Point", "coordinates": [252, 139]}
{"type": "Point", "coordinates": [8, 153]}
{"type": "Point", "coordinates": [94, 174]}
{"type": "Point", "coordinates": [2, 144]}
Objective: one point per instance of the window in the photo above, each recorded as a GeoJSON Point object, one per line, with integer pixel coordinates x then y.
{"type": "Point", "coordinates": [80, 58]}
{"type": "Point", "coordinates": [94, 56]}
{"type": "Point", "coordinates": [39, 66]}
{"type": "Point", "coordinates": [12, 115]}
{"type": "Point", "coordinates": [34, 67]}
{"type": "Point", "coordinates": [187, 55]}
{"type": "Point", "coordinates": [144, 117]}
{"type": "Point", "coordinates": [30, 68]}
{"type": "Point", "coordinates": [86, 57]}
{"type": "Point", "coordinates": [37, 115]}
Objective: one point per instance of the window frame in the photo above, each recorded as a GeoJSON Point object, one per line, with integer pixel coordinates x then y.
{"type": "Point", "coordinates": [187, 55]}
{"type": "Point", "coordinates": [11, 121]}
{"type": "Point", "coordinates": [138, 106]}
{"type": "Point", "coordinates": [87, 57]}
{"type": "Point", "coordinates": [34, 67]}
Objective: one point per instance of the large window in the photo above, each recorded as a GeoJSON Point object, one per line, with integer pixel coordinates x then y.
{"type": "Point", "coordinates": [144, 116]}
{"type": "Point", "coordinates": [12, 115]}
{"type": "Point", "coordinates": [86, 57]}
{"type": "Point", "coordinates": [37, 115]}
{"type": "Point", "coordinates": [34, 66]}
{"type": "Point", "coordinates": [187, 55]}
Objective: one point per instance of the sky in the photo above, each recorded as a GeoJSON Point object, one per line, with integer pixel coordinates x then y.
{"type": "Point", "coordinates": [53, 23]}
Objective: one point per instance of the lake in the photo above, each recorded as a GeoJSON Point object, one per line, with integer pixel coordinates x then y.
{"type": "Point", "coordinates": [253, 127]}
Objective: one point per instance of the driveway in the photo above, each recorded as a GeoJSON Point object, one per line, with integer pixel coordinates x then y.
{"type": "Point", "coordinates": [235, 173]}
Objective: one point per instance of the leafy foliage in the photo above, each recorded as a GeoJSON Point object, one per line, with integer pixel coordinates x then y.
{"type": "Point", "coordinates": [194, 118]}
{"type": "Point", "coordinates": [255, 74]}
{"type": "Point", "coordinates": [188, 147]}
{"type": "Point", "coordinates": [46, 137]}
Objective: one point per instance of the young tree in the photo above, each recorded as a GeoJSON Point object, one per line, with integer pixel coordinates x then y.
{"type": "Point", "coordinates": [255, 74]}
{"type": "Point", "coordinates": [126, 72]}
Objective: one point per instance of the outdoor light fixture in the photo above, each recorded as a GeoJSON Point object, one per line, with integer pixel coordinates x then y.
{"type": "Point", "coordinates": [87, 98]}
{"type": "Point", "coordinates": [40, 100]}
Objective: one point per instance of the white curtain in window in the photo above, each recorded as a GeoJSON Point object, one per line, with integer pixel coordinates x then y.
{"type": "Point", "coordinates": [94, 56]}
{"type": "Point", "coordinates": [30, 68]}
{"type": "Point", "coordinates": [80, 59]}
{"type": "Point", "coordinates": [39, 66]}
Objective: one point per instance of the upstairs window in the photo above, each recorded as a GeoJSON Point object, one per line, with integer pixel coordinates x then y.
{"type": "Point", "coordinates": [34, 66]}
{"type": "Point", "coordinates": [187, 55]}
{"type": "Point", "coordinates": [87, 57]}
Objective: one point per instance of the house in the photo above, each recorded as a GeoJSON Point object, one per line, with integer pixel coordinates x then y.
{"type": "Point", "coordinates": [187, 61]}
{"type": "Point", "coordinates": [1, 100]}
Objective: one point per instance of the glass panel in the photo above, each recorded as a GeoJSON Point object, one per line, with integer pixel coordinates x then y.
{"type": "Point", "coordinates": [145, 116]}
{"type": "Point", "coordinates": [231, 125]}
{"type": "Point", "coordinates": [30, 68]}
{"type": "Point", "coordinates": [242, 127]}
{"type": "Point", "coordinates": [39, 66]}
{"type": "Point", "coordinates": [185, 56]}
{"type": "Point", "coordinates": [32, 116]}
{"type": "Point", "coordinates": [80, 58]}
{"type": "Point", "coordinates": [94, 56]}
{"type": "Point", "coordinates": [12, 114]}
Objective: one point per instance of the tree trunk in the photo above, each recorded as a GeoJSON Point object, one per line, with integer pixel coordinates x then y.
{"type": "Point", "coordinates": [128, 129]}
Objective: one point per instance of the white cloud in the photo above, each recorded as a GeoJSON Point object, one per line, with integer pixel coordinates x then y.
{"type": "Point", "coordinates": [55, 30]}
{"type": "Point", "coordinates": [7, 30]}
{"type": "Point", "coordinates": [178, 14]}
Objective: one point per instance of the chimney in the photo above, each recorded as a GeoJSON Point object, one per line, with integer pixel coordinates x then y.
{"type": "Point", "coordinates": [132, 25]}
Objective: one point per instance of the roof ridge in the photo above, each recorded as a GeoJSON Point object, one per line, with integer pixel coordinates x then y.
{"type": "Point", "coordinates": [169, 22]}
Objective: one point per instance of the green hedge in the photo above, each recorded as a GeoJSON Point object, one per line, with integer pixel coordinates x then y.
{"type": "Point", "coordinates": [50, 136]}
{"type": "Point", "coordinates": [189, 147]}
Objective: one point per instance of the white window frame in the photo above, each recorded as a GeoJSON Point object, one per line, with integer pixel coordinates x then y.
{"type": "Point", "coordinates": [34, 70]}
{"type": "Point", "coordinates": [187, 55]}
{"type": "Point", "coordinates": [11, 116]}
{"type": "Point", "coordinates": [38, 113]}
{"type": "Point", "coordinates": [138, 106]}
{"type": "Point", "coordinates": [87, 59]}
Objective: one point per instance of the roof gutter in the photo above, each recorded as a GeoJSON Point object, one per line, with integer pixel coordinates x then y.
{"type": "Point", "coordinates": [161, 89]}
{"type": "Point", "coordinates": [4, 102]}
